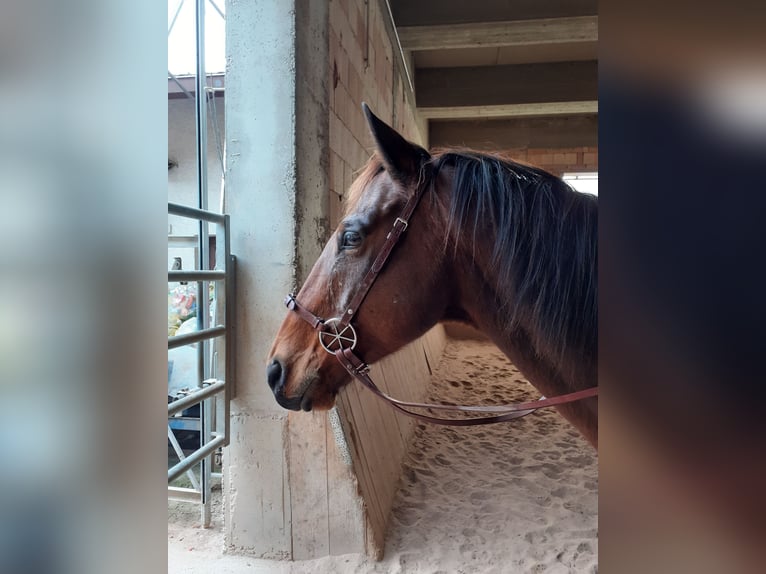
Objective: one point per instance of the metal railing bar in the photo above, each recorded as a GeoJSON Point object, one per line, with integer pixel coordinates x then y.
{"type": "Point", "coordinates": [206, 463]}
{"type": "Point", "coordinates": [195, 458]}
{"type": "Point", "coordinates": [194, 213]}
{"type": "Point", "coordinates": [217, 9]}
{"type": "Point", "coordinates": [175, 17]}
{"type": "Point", "coordinates": [229, 361]}
{"type": "Point", "coordinates": [184, 494]}
{"type": "Point", "coordinates": [216, 134]}
{"type": "Point", "coordinates": [180, 85]}
{"type": "Point", "coordinates": [182, 241]}
{"type": "Point", "coordinates": [195, 337]}
{"type": "Point", "coordinates": [180, 454]}
{"type": "Point", "coordinates": [203, 316]}
{"type": "Point", "coordinates": [198, 275]}
{"type": "Point", "coordinates": [195, 397]}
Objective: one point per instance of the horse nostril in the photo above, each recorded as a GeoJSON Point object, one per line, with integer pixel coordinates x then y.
{"type": "Point", "coordinates": [275, 375]}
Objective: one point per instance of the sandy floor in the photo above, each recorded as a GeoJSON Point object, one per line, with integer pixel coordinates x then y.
{"type": "Point", "coordinates": [514, 497]}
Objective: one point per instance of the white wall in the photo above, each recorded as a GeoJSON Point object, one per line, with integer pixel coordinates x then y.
{"type": "Point", "coordinates": [182, 179]}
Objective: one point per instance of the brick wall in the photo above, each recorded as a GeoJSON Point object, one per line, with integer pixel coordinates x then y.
{"type": "Point", "coordinates": [557, 160]}
{"type": "Point", "coordinates": [362, 69]}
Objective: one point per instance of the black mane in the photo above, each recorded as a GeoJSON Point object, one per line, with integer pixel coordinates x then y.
{"type": "Point", "coordinates": [544, 256]}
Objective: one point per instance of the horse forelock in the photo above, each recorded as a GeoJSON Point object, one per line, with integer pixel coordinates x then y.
{"type": "Point", "coordinates": [366, 175]}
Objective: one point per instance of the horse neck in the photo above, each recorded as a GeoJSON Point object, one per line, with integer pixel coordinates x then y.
{"type": "Point", "coordinates": [478, 301]}
{"type": "Point", "coordinates": [478, 307]}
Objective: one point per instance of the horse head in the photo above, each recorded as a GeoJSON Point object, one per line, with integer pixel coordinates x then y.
{"type": "Point", "coordinates": [406, 299]}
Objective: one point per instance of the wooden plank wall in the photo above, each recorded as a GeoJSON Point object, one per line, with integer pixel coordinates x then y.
{"type": "Point", "coordinates": [378, 436]}
{"type": "Point", "coordinates": [326, 513]}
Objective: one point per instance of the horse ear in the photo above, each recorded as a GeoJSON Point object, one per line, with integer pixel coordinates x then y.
{"type": "Point", "coordinates": [401, 158]}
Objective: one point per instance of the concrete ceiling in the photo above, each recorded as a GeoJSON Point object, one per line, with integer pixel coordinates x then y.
{"type": "Point", "coordinates": [483, 69]}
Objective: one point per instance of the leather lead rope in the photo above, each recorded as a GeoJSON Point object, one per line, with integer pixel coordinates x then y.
{"type": "Point", "coordinates": [360, 371]}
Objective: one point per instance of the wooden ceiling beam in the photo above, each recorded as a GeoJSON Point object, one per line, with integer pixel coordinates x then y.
{"type": "Point", "coordinates": [438, 12]}
{"type": "Point", "coordinates": [503, 85]}
{"type": "Point", "coordinates": [511, 110]}
{"type": "Point", "coordinates": [496, 34]}
{"type": "Point", "coordinates": [555, 132]}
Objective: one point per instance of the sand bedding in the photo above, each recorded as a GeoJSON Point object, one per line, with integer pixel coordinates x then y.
{"type": "Point", "coordinates": [513, 497]}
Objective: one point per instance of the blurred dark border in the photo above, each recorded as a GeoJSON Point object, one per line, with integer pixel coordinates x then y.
{"type": "Point", "coordinates": [682, 147]}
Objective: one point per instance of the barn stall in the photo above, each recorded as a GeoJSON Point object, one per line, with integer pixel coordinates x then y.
{"type": "Point", "coordinates": [362, 480]}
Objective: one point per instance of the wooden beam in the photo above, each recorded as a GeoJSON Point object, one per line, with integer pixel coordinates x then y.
{"type": "Point", "coordinates": [495, 34]}
{"type": "Point", "coordinates": [436, 12]}
{"type": "Point", "coordinates": [503, 85]}
{"type": "Point", "coordinates": [516, 133]}
{"type": "Point", "coordinates": [511, 110]}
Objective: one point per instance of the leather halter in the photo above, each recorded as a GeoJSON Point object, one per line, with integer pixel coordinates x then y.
{"type": "Point", "coordinates": [338, 338]}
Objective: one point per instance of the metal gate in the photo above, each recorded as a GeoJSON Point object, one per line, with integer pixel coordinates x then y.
{"type": "Point", "coordinates": [215, 362]}
{"type": "Point", "coordinates": [203, 406]}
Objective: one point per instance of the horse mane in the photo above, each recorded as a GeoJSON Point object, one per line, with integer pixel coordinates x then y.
{"type": "Point", "coordinates": [544, 256]}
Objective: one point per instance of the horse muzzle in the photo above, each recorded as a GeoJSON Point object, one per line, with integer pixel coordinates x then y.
{"type": "Point", "coordinates": [276, 374]}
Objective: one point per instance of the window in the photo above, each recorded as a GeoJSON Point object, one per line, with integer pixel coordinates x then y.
{"type": "Point", "coordinates": [584, 182]}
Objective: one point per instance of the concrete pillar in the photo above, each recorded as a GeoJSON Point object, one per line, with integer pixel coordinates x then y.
{"type": "Point", "coordinates": [260, 182]}
{"type": "Point", "coordinates": [277, 193]}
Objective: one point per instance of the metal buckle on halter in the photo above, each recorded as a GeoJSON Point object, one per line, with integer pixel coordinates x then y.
{"type": "Point", "coordinates": [333, 340]}
{"type": "Point", "coordinates": [402, 221]}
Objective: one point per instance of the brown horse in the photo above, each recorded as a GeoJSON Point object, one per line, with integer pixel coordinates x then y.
{"type": "Point", "coordinates": [506, 248]}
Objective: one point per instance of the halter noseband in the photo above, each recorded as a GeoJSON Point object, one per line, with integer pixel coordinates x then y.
{"type": "Point", "coordinates": [338, 337]}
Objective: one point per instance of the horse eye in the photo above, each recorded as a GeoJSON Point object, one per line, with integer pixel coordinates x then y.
{"type": "Point", "coordinates": [351, 239]}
